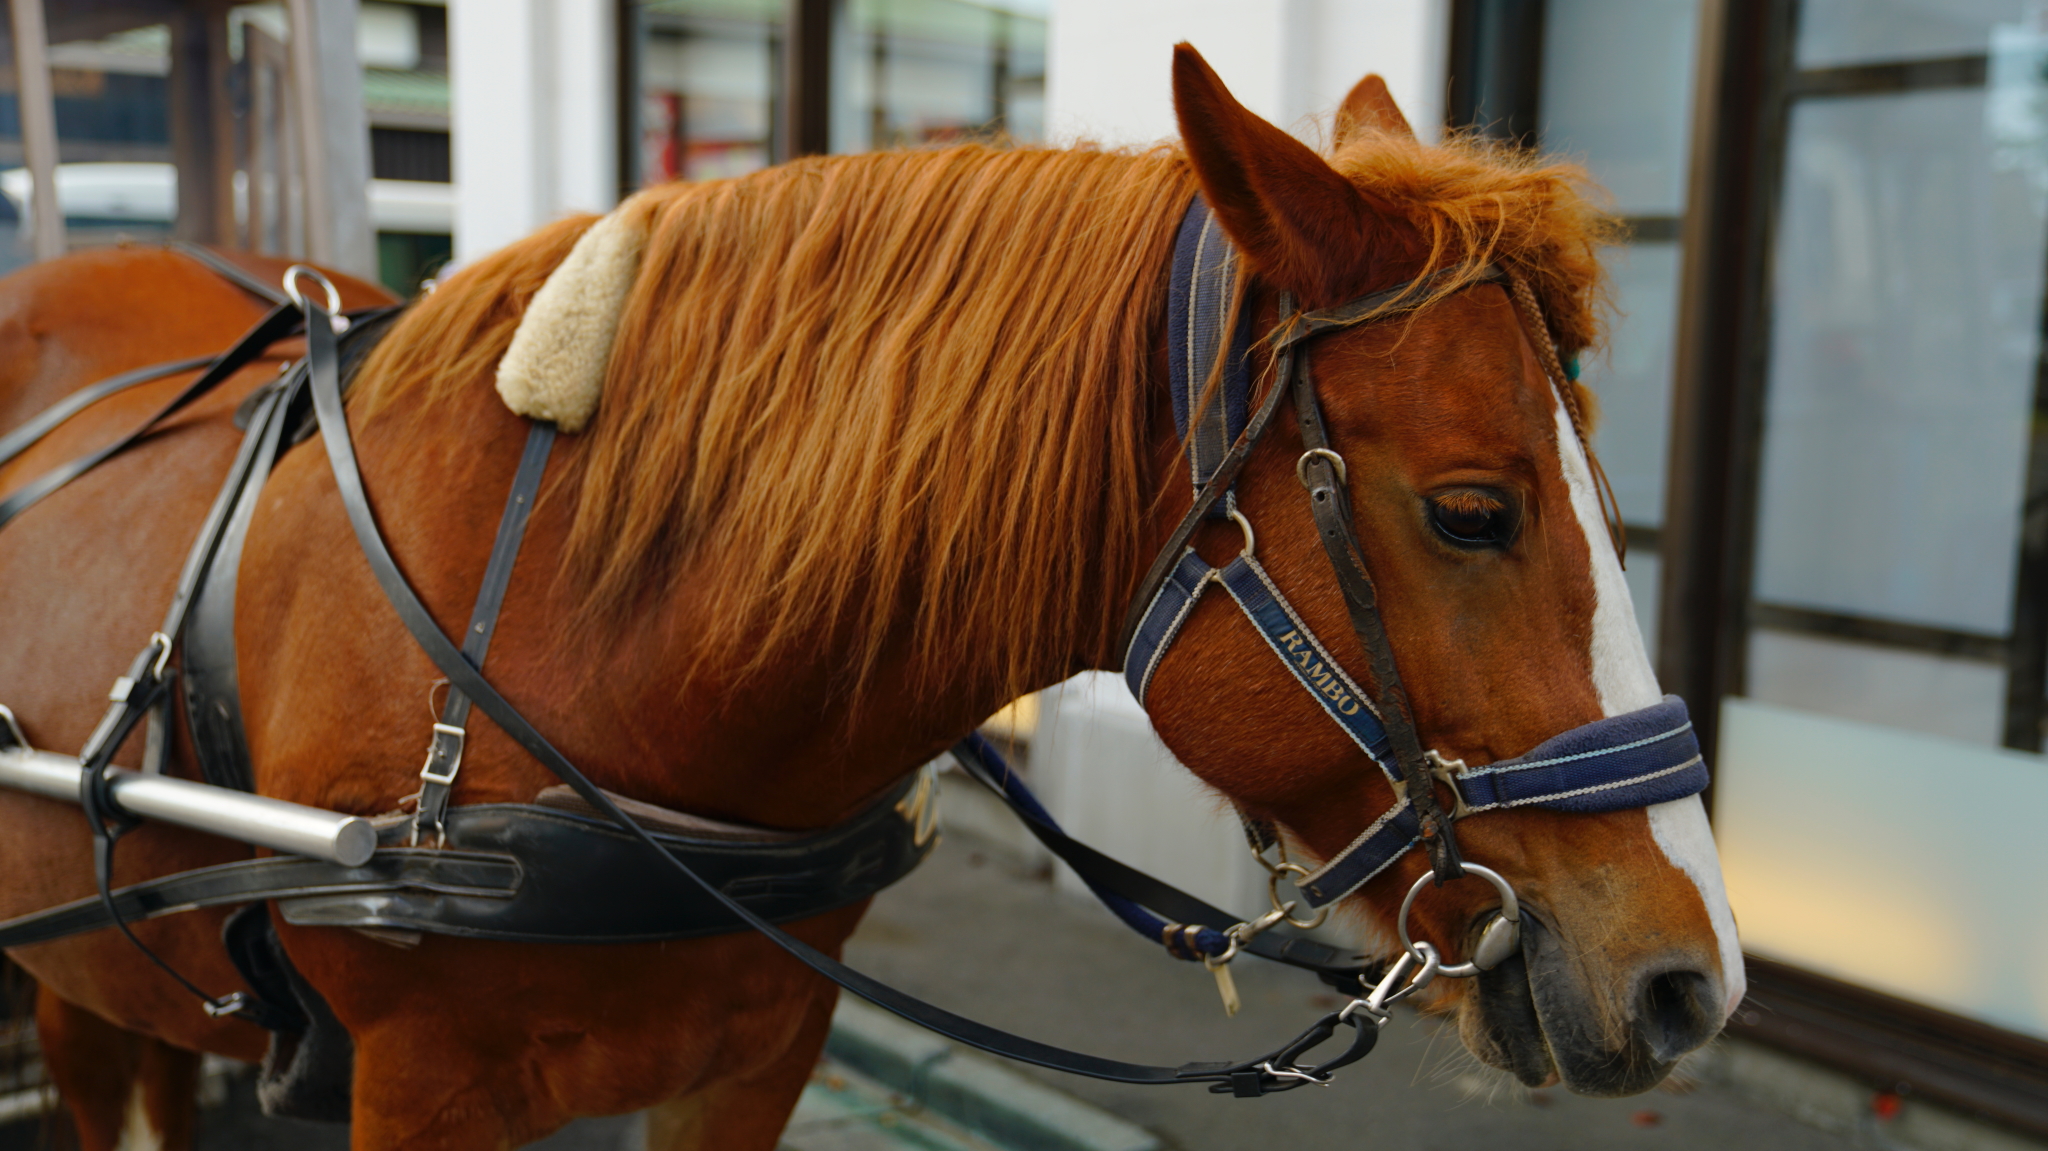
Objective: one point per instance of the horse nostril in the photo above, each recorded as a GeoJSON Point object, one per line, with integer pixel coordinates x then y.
{"type": "Point", "coordinates": [1676, 1013]}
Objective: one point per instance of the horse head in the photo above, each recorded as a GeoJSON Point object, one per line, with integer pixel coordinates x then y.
{"type": "Point", "coordinates": [1501, 591]}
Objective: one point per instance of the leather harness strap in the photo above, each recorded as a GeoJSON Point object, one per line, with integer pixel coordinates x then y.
{"type": "Point", "coordinates": [1247, 1077]}
{"type": "Point", "coordinates": [49, 419]}
{"type": "Point", "coordinates": [272, 327]}
{"type": "Point", "coordinates": [232, 272]}
{"type": "Point", "coordinates": [444, 752]}
{"type": "Point", "coordinates": [1330, 504]}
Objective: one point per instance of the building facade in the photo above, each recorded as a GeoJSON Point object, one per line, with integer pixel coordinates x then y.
{"type": "Point", "coordinates": [1823, 403]}
{"type": "Point", "coordinates": [1825, 400]}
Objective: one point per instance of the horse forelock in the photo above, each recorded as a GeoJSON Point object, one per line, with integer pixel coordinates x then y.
{"type": "Point", "coordinates": [905, 395]}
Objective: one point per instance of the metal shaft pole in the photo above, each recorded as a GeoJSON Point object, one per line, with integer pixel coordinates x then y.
{"type": "Point", "coordinates": [289, 827]}
{"type": "Point", "coordinates": [38, 126]}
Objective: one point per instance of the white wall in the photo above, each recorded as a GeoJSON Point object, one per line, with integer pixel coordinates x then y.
{"type": "Point", "coordinates": [1288, 60]}
{"type": "Point", "coordinates": [533, 115]}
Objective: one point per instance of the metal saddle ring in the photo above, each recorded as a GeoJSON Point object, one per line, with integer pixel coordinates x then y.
{"type": "Point", "coordinates": [1501, 937]}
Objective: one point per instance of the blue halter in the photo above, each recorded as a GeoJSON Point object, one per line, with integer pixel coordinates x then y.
{"type": "Point", "coordinates": [1626, 761]}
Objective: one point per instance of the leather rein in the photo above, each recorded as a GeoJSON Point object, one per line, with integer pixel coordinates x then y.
{"type": "Point", "coordinates": [471, 861]}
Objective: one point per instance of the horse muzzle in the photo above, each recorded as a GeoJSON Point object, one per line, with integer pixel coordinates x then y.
{"type": "Point", "coordinates": [1545, 1018]}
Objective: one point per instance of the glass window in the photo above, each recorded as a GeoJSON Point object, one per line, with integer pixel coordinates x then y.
{"type": "Point", "coordinates": [1633, 380]}
{"type": "Point", "coordinates": [1617, 93]}
{"type": "Point", "coordinates": [709, 74]}
{"type": "Point", "coordinates": [1905, 299]}
{"type": "Point", "coordinates": [1617, 96]}
{"type": "Point", "coordinates": [1903, 350]}
{"type": "Point", "coordinates": [908, 72]}
{"type": "Point", "coordinates": [1833, 33]}
{"type": "Point", "coordinates": [1839, 858]}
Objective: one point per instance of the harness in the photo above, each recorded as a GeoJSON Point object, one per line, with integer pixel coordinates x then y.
{"type": "Point", "coordinates": [551, 871]}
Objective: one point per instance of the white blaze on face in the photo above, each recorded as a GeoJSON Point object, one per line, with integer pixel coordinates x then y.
{"type": "Point", "coordinates": [1622, 676]}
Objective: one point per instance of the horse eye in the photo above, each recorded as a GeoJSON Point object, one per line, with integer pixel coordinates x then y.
{"type": "Point", "coordinates": [1472, 519]}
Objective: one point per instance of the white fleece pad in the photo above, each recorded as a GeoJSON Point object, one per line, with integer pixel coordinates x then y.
{"type": "Point", "coordinates": [555, 368]}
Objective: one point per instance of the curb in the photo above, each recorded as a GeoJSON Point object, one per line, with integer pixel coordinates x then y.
{"type": "Point", "coordinates": [972, 1089]}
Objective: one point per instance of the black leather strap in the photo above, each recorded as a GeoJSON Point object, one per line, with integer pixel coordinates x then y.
{"type": "Point", "coordinates": [278, 877]}
{"type": "Point", "coordinates": [1330, 503]}
{"type": "Point", "coordinates": [444, 750]}
{"type": "Point", "coordinates": [49, 419]}
{"type": "Point", "coordinates": [1345, 970]}
{"type": "Point", "coordinates": [1245, 1078]}
{"type": "Point", "coordinates": [253, 344]}
{"type": "Point", "coordinates": [233, 273]}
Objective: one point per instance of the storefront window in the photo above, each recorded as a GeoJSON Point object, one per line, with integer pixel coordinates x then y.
{"type": "Point", "coordinates": [910, 72]}
{"type": "Point", "coordinates": [902, 73]}
{"type": "Point", "coordinates": [1901, 384]}
{"type": "Point", "coordinates": [709, 72]}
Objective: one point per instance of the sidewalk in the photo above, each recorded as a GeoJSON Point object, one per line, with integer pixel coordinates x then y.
{"type": "Point", "coordinates": [975, 934]}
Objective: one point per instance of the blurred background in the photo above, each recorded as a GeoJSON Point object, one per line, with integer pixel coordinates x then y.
{"type": "Point", "coordinates": [1826, 399]}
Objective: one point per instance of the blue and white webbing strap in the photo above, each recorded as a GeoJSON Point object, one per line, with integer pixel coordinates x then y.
{"type": "Point", "coordinates": [1625, 761]}
{"type": "Point", "coordinates": [1308, 660]}
{"type": "Point", "coordinates": [1198, 303]}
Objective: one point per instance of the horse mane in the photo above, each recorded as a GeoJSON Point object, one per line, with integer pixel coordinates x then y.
{"type": "Point", "coordinates": [907, 394]}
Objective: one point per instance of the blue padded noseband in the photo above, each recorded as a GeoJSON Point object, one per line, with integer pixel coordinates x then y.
{"type": "Point", "coordinates": [1625, 761]}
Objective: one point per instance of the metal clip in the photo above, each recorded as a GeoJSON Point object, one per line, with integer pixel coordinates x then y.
{"type": "Point", "coordinates": [1284, 869]}
{"type": "Point", "coordinates": [233, 1003]}
{"type": "Point", "coordinates": [1417, 974]}
{"type": "Point", "coordinates": [1293, 1073]}
{"type": "Point", "coordinates": [1274, 873]}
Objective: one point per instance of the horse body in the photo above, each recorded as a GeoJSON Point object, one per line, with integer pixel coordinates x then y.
{"type": "Point", "coordinates": [800, 713]}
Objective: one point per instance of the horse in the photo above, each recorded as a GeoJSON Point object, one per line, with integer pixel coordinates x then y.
{"type": "Point", "coordinates": [882, 445]}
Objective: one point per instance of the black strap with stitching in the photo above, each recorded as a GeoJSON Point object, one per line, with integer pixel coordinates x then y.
{"type": "Point", "coordinates": [1245, 1078]}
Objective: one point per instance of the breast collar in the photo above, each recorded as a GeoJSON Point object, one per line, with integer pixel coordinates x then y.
{"type": "Point", "coordinates": [1625, 761]}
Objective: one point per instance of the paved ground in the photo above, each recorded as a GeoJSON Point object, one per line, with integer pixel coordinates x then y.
{"type": "Point", "coordinates": [976, 933]}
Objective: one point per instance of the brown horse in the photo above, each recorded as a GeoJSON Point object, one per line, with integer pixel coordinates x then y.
{"type": "Point", "coordinates": [883, 443]}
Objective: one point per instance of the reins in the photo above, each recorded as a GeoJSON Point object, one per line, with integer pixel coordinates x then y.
{"type": "Point", "coordinates": [1623, 761]}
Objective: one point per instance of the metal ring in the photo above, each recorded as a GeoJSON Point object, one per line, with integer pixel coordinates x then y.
{"type": "Point", "coordinates": [1273, 874]}
{"type": "Point", "coordinates": [1336, 461]}
{"type": "Point", "coordinates": [296, 272]}
{"type": "Point", "coordinates": [1251, 542]}
{"type": "Point", "coordinates": [1510, 910]}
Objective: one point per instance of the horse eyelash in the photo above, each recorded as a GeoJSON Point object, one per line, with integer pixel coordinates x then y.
{"type": "Point", "coordinates": [1470, 503]}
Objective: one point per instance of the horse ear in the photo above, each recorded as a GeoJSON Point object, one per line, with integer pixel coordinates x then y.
{"type": "Point", "coordinates": [1370, 105]}
{"type": "Point", "coordinates": [1300, 222]}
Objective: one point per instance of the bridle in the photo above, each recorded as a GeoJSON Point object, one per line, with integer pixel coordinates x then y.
{"type": "Point", "coordinates": [1625, 761]}
{"type": "Point", "coordinates": [1633, 760]}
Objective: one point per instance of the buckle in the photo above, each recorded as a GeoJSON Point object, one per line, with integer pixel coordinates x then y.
{"type": "Point", "coordinates": [1446, 772]}
{"type": "Point", "coordinates": [446, 748]}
